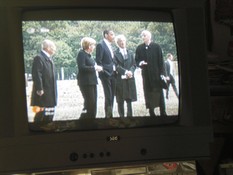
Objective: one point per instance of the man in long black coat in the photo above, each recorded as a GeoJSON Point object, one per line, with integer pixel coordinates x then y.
{"type": "Point", "coordinates": [125, 81]}
{"type": "Point", "coordinates": [149, 58]}
{"type": "Point", "coordinates": [44, 91]}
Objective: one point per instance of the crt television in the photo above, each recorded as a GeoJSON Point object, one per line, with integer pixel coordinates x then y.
{"type": "Point", "coordinates": [69, 142]}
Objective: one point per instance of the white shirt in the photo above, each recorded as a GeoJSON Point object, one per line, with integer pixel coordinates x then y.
{"type": "Point", "coordinates": [171, 67]}
{"type": "Point", "coordinates": [109, 46]}
{"type": "Point", "coordinates": [123, 52]}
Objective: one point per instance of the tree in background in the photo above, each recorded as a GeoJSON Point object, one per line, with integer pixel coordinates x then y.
{"type": "Point", "coordinates": [67, 36]}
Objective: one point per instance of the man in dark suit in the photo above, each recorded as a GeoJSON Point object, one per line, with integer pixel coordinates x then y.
{"type": "Point", "coordinates": [44, 91]}
{"type": "Point", "coordinates": [104, 58]}
{"type": "Point", "coordinates": [125, 81]}
{"type": "Point", "coordinates": [170, 71]}
{"type": "Point", "coordinates": [149, 58]}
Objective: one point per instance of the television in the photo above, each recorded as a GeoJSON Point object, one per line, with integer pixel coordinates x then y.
{"type": "Point", "coordinates": [70, 142]}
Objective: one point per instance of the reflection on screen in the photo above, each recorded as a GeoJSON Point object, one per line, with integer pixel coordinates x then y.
{"type": "Point", "coordinates": [67, 36]}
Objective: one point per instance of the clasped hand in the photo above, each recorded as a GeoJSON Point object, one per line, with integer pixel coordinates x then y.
{"type": "Point", "coordinates": [98, 68]}
{"type": "Point", "coordinates": [129, 74]}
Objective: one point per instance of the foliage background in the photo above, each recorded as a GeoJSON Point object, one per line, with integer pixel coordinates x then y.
{"type": "Point", "coordinates": [68, 34]}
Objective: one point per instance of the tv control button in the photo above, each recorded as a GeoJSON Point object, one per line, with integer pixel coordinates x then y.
{"type": "Point", "coordinates": [85, 156]}
{"type": "Point", "coordinates": [108, 154]}
{"type": "Point", "coordinates": [73, 157]}
{"type": "Point", "coordinates": [101, 154]}
{"type": "Point", "coordinates": [92, 155]}
{"type": "Point", "coordinates": [143, 151]}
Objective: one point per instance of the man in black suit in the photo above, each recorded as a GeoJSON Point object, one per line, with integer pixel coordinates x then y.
{"type": "Point", "coordinates": [104, 58]}
{"type": "Point", "coordinates": [170, 71]}
{"type": "Point", "coordinates": [125, 80]}
{"type": "Point", "coordinates": [44, 91]}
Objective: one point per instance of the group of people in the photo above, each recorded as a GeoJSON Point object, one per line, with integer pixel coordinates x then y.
{"type": "Point", "coordinates": [115, 69]}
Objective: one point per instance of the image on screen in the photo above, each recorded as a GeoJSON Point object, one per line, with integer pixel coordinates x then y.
{"type": "Point", "coordinates": [67, 35]}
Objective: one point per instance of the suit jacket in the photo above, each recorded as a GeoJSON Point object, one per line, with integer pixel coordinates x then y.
{"type": "Point", "coordinates": [167, 68]}
{"type": "Point", "coordinates": [86, 70]}
{"type": "Point", "coordinates": [43, 76]}
{"type": "Point", "coordinates": [104, 59]}
{"type": "Point", "coordinates": [125, 88]}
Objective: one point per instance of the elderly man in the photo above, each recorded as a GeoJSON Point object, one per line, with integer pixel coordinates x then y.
{"type": "Point", "coordinates": [44, 91]}
{"type": "Point", "coordinates": [149, 58]}
{"type": "Point", "coordinates": [125, 82]}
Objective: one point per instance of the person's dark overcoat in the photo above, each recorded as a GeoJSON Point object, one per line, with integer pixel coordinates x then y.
{"type": "Point", "coordinates": [43, 76]}
{"type": "Point", "coordinates": [151, 54]}
{"type": "Point", "coordinates": [151, 72]}
{"type": "Point", "coordinates": [125, 88]}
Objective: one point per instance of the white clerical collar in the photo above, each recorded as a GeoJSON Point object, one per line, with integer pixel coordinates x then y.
{"type": "Point", "coordinates": [147, 44]}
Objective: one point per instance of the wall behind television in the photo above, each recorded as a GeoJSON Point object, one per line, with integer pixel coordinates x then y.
{"type": "Point", "coordinates": [221, 33]}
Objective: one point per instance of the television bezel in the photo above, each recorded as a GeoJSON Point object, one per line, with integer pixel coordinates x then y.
{"type": "Point", "coordinates": [187, 141]}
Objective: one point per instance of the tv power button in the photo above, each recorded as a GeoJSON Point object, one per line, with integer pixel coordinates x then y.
{"type": "Point", "coordinates": [73, 157]}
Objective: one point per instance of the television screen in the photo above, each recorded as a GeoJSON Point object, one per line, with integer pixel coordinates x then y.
{"type": "Point", "coordinates": [67, 36]}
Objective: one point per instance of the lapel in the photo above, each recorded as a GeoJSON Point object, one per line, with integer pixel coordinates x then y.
{"type": "Point", "coordinates": [119, 56]}
{"type": "Point", "coordinates": [106, 48]}
{"type": "Point", "coordinates": [46, 57]}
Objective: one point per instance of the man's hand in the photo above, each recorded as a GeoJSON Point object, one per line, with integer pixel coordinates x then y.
{"type": "Point", "coordinates": [98, 68]}
{"type": "Point", "coordinates": [142, 63]}
{"type": "Point", "coordinates": [40, 93]}
{"type": "Point", "coordinates": [129, 74]}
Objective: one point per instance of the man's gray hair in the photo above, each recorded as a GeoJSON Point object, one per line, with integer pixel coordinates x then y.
{"type": "Point", "coordinates": [119, 37]}
{"type": "Point", "coordinates": [146, 32]}
{"type": "Point", "coordinates": [47, 43]}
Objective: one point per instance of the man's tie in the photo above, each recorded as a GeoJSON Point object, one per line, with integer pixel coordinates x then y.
{"type": "Point", "coordinates": [125, 54]}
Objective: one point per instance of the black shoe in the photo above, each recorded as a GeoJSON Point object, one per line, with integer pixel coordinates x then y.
{"type": "Point", "coordinates": [163, 114]}
{"type": "Point", "coordinates": [152, 113]}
